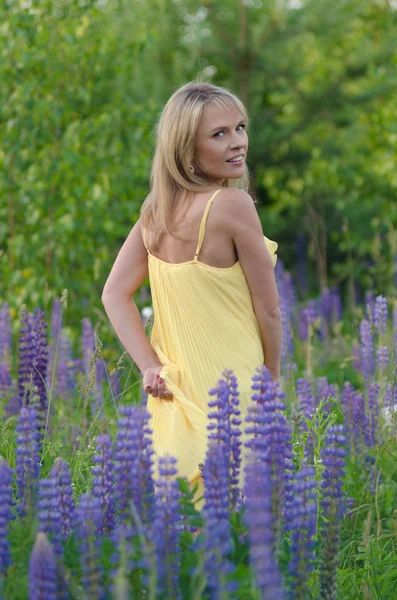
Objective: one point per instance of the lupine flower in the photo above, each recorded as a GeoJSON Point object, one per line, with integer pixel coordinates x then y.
{"type": "Point", "coordinates": [287, 295]}
{"type": "Point", "coordinates": [336, 303]}
{"type": "Point", "coordinates": [5, 514]}
{"type": "Point", "coordinates": [165, 530]}
{"type": "Point", "coordinates": [33, 358]}
{"type": "Point", "coordinates": [267, 429]}
{"type": "Point", "coordinates": [224, 428]}
{"type": "Point", "coordinates": [258, 516]}
{"type": "Point", "coordinates": [66, 375]}
{"type": "Point", "coordinates": [27, 464]}
{"type": "Point", "coordinates": [333, 506]}
{"type": "Point", "coordinates": [5, 335]}
{"type": "Point", "coordinates": [324, 390]}
{"type": "Point", "coordinates": [134, 463]}
{"type": "Point", "coordinates": [381, 314]}
{"type": "Point", "coordinates": [307, 318]}
{"type": "Point", "coordinates": [305, 400]}
{"type": "Point", "coordinates": [55, 507]}
{"type": "Point", "coordinates": [216, 521]}
{"type": "Point", "coordinates": [369, 304]}
{"type": "Point", "coordinates": [6, 388]}
{"type": "Point", "coordinates": [373, 414]}
{"type": "Point", "coordinates": [43, 582]}
{"type": "Point", "coordinates": [367, 349]}
{"type": "Point", "coordinates": [103, 482]}
{"type": "Point", "coordinates": [382, 358]}
{"type": "Point", "coordinates": [302, 523]}
{"type": "Point", "coordinates": [88, 516]}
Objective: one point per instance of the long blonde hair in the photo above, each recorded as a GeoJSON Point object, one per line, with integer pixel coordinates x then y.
{"type": "Point", "coordinates": [175, 143]}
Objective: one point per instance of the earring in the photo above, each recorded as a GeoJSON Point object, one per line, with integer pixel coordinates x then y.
{"type": "Point", "coordinates": [191, 168]}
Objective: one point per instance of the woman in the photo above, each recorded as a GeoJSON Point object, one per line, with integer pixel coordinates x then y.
{"type": "Point", "coordinates": [211, 273]}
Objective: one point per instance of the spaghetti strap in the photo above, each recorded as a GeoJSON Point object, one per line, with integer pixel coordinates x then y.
{"type": "Point", "coordinates": [144, 238]}
{"type": "Point", "coordinates": [202, 224]}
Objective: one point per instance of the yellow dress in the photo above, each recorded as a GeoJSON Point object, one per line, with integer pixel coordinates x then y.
{"type": "Point", "coordinates": [203, 323]}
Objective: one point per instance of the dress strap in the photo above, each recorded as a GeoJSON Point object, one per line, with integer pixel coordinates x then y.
{"type": "Point", "coordinates": [144, 238]}
{"type": "Point", "coordinates": [203, 222]}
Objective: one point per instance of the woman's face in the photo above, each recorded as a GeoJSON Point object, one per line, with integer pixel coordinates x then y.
{"type": "Point", "coordinates": [221, 136]}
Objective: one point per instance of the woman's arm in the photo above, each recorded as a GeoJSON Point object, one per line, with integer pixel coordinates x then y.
{"type": "Point", "coordinates": [129, 271]}
{"type": "Point", "coordinates": [241, 221]}
{"type": "Point", "coordinates": [124, 316]}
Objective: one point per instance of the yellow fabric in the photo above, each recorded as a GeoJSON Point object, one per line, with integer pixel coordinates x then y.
{"type": "Point", "coordinates": [204, 322]}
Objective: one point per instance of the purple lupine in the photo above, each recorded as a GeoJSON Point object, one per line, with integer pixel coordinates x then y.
{"type": "Point", "coordinates": [66, 377]}
{"type": "Point", "coordinates": [224, 427]}
{"type": "Point", "coordinates": [373, 414]}
{"type": "Point", "coordinates": [217, 540]}
{"type": "Point", "coordinates": [381, 315]}
{"type": "Point", "coordinates": [336, 302]}
{"type": "Point", "coordinates": [115, 385]}
{"type": "Point", "coordinates": [324, 390]}
{"type": "Point", "coordinates": [367, 349]}
{"type": "Point", "coordinates": [301, 522]}
{"type": "Point", "coordinates": [333, 506]}
{"type": "Point", "coordinates": [287, 297]}
{"type": "Point", "coordinates": [5, 514]}
{"type": "Point", "coordinates": [369, 304]}
{"type": "Point", "coordinates": [259, 519]}
{"type": "Point", "coordinates": [5, 335]}
{"type": "Point", "coordinates": [356, 418]}
{"type": "Point", "coordinates": [27, 462]}
{"type": "Point", "coordinates": [165, 530]}
{"type": "Point", "coordinates": [267, 429]}
{"type": "Point", "coordinates": [88, 518]}
{"type": "Point", "coordinates": [133, 459]}
{"type": "Point", "coordinates": [305, 400]}
{"type": "Point", "coordinates": [56, 511]}
{"type": "Point", "coordinates": [43, 580]}
{"type": "Point", "coordinates": [6, 390]}
{"type": "Point", "coordinates": [33, 358]}
{"type": "Point", "coordinates": [382, 358]}
{"type": "Point", "coordinates": [307, 318]}
{"type": "Point", "coordinates": [103, 482]}
{"type": "Point", "coordinates": [356, 355]}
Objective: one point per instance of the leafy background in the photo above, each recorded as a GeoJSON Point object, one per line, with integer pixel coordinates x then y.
{"type": "Point", "coordinates": [83, 83]}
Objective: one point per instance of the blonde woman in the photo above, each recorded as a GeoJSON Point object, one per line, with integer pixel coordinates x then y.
{"type": "Point", "coordinates": [211, 273]}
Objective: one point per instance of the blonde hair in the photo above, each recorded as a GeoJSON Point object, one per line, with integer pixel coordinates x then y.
{"type": "Point", "coordinates": [175, 143]}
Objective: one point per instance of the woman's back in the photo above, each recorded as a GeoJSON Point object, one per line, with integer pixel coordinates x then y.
{"type": "Point", "coordinates": [217, 249]}
{"type": "Point", "coordinates": [204, 322]}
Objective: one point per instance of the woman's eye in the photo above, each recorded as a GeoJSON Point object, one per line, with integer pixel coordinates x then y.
{"type": "Point", "coordinates": [242, 125]}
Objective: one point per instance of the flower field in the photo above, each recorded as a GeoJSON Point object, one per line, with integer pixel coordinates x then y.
{"type": "Point", "coordinates": [82, 516]}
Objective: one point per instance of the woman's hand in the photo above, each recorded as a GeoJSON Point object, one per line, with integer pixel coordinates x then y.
{"type": "Point", "coordinates": [154, 385]}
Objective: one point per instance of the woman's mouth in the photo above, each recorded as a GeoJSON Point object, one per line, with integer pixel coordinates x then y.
{"type": "Point", "coordinates": [236, 161]}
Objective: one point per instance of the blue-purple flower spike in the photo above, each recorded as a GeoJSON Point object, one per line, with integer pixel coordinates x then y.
{"type": "Point", "coordinates": [165, 530]}
{"type": "Point", "coordinates": [224, 428]}
{"type": "Point", "coordinates": [5, 514]}
{"type": "Point", "coordinates": [43, 584]}
{"type": "Point", "coordinates": [333, 506]}
{"type": "Point", "coordinates": [27, 464]}
{"type": "Point", "coordinates": [56, 512]}
{"type": "Point", "coordinates": [103, 481]}
{"type": "Point", "coordinates": [302, 525]}
{"type": "Point", "coordinates": [88, 517]}
{"type": "Point", "coordinates": [133, 458]}
{"type": "Point", "coordinates": [216, 521]}
{"type": "Point", "coordinates": [267, 430]}
{"type": "Point", "coordinates": [258, 516]}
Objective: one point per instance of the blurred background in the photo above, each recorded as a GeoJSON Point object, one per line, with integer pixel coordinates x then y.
{"type": "Point", "coordinates": [83, 84]}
